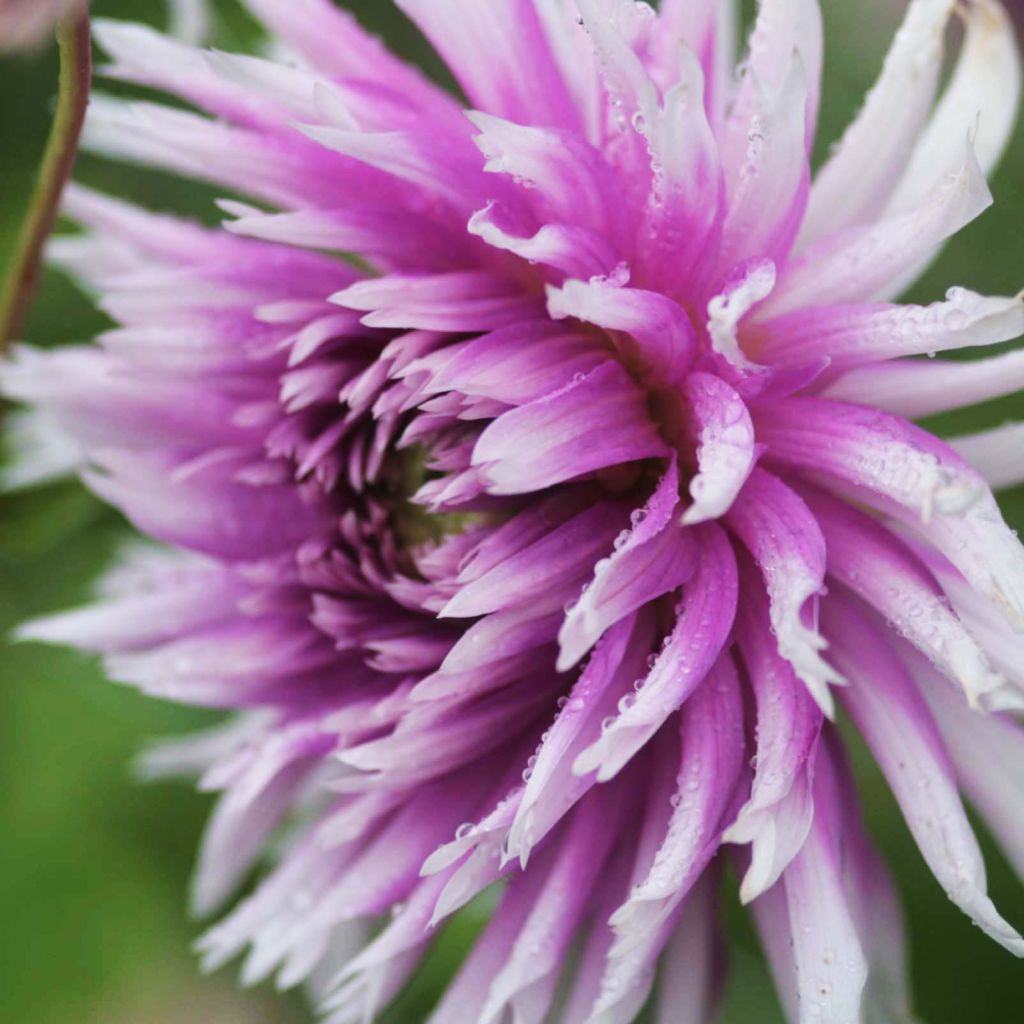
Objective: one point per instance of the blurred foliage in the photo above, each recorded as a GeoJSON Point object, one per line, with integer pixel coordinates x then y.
{"type": "Point", "coordinates": [94, 868]}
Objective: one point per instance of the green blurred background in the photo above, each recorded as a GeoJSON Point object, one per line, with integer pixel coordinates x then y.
{"type": "Point", "coordinates": [94, 868]}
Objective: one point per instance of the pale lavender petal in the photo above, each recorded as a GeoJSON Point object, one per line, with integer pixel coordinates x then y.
{"type": "Point", "coordinates": [831, 969]}
{"type": "Point", "coordinates": [849, 336]}
{"type": "Point", "coordinates": [899, 729]}
{"type": "Point", "coordinates": [997, 454]}
{"type": "Point", "coordinates": [857, 181]}
{"type": "Point", "coordinates": [915, 389]}
{"type": "Point", "coordinates": [865, 556]}
{"type": "Point", "coordinates": [988, 754]}
{"type": "Point", "coordinates": [879, 260]}
{"type": "Point", "coordinates": [689, 990]}
{"type": "Point", "coordinates": [982, 98]}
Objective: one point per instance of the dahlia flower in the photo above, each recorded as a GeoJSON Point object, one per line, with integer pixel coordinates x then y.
{"type": "Point", "coordinates": [534, 473]}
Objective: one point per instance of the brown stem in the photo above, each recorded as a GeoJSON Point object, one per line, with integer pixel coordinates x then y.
{"type": "Point", "coordinates": [19, 289]}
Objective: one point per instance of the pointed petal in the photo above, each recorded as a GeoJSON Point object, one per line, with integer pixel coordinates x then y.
{"type": "Point", "coordinates": [488, 50]}
{"type": "Point", "coordinates": [907, 473]}
{"type": "Point", "coordinates": [865, 556]}
{"type": "Point", "coordinates": [915, 389]}
{"type": "Point", "coordinates": [988, 754]}
{"type": "Point", "coordinates": [879, 260]}
{"type": "Point", "coordinates": [777, 818]}
{"type": "Point", "coordinates": [856, 182]}
{"type": "Point", "coordinates": [849, 336]}
{"type": "Point", "coordinates": [983, 96]}
{"type": "Point", "coordinates": [780, 532]}
{"type": "Point", "coordinates": [650, 559]}
{"type": "Point", "coordinates": [703, 624]}
{"type": "Point", "coordinates": [898, 728]}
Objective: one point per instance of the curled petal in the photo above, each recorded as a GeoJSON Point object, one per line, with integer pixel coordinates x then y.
{"type": "Point", "coordinates": [915, 389]}
{"type": "Point", "coordinates": [726, 451]}
{"type": "Point", "coordinates": [995, 454]}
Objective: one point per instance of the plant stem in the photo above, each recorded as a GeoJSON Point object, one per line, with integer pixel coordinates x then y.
{"type": "Point", "coordinates": [19, 289]}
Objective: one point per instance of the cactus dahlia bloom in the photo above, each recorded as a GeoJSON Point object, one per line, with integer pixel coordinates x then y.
{"type": "Point", "coordinates": [536, 477]}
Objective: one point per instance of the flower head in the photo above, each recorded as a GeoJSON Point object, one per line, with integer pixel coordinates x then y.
{"type": "Point", "coordinates": [536, 481]}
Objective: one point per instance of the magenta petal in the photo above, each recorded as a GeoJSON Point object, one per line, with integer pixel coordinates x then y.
{"type": "Point", "coordinates": [711, 726]}
{"type": "Point", "coordinates": [871, 561]}
{"type": "Point", "coordinates": [598, 420]}
{"type": "Point", "coordinates": [488, 51]}
{"type": "Point", "coordinates": [518, 364]}
{"type": "Point", "coordinates": [777, 818]}
{"type": "Point", "coordinates": [530, 473]}
{"type": "Point", "coordinates": [704, 620]}
{"type": "Point", "coordinates": [553, 785]}
{"type": "Point", "coordinates": [911, 475]}
{"type": "Point", "coordinates": [658, 334]}
{"type": "Point", "coordinates": [653, 557]}
{"type": "Point", "coordinates": [726, 451]}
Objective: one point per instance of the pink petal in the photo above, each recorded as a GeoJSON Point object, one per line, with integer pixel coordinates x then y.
{"type": "Point", "coordinates": [596, 421]}
{"type": "Point", "coordinates": [878, 260]}
{"type": "Point", "coordinates": [726, 452]}
{"type": "Point", "coordinates": [783, 536]}
{"type": "Point", "coordinates": [852, 335]}
{"type": "Point", "coordinates": [777, 818]}
{"type": "Point", "coordinates": [488, 50]}
{"type": "Point", "coordinates": [652, 558]}
{"type": "Point", "coordinates": [916, 389]}
{"type": "Point", "coordinates": [652, 332]}
{"type": "Point", "coordinates": [911, 475]}
{"type": "Point", "coordinates": [871, 561]}
{"type": "Point", "coordinates": [703, 624]}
